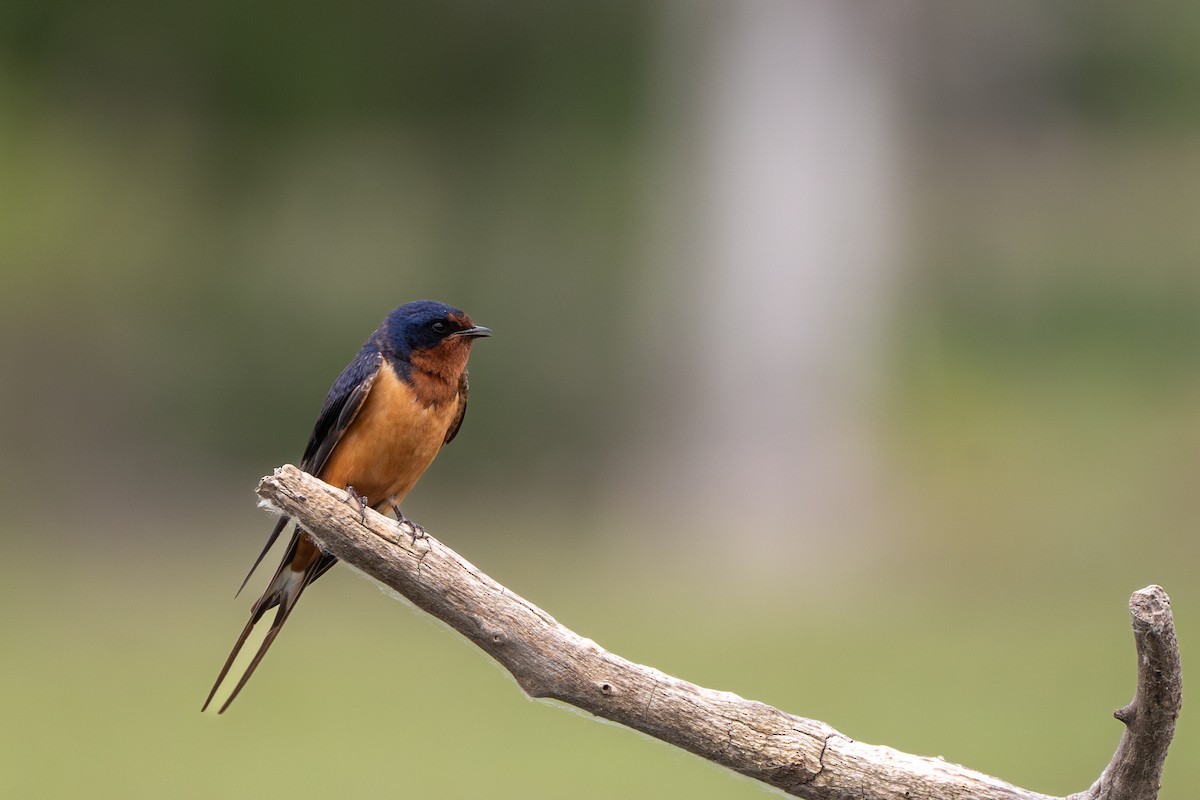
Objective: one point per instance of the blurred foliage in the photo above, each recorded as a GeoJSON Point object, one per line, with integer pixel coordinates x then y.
{"type": "Point", "coordinates": [205, 207]}
{"type": "Point", "coordinates": [1133, 70]}
{"type": "Point", "coordinates": [188, 183]}
{"type": "Point", "coordinates": [454, 66]}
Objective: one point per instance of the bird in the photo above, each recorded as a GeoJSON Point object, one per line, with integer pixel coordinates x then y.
{"type": "Point", "coordinates": [384, 420]}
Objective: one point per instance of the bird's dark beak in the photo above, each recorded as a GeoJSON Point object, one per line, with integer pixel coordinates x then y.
{"type": "Point", "coordinates": [473, 333]}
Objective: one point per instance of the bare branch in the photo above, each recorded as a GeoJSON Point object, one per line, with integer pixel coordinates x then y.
{"type": "Point", "coordinates": [1150, 719]}
{"type": "Point", "coordinates": [803, 757]}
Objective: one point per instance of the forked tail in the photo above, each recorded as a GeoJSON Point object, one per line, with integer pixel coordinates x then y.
{"type": "Point", "coordinates": [303, 564]}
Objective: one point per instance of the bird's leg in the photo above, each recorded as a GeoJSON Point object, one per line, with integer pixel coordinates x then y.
{"type": "Point", "coordinates": [417, 531]}
{"type": "Point", "coordinates": [359, 500]}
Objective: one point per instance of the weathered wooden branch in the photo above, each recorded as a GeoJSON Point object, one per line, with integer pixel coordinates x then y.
{"type": "Point", "coordinates": [803, 757]}
{"type": "Point", "coordinates": [1150, 717]}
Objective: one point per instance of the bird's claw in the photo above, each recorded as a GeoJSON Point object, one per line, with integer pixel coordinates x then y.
{"type": "Point", "coordinates": [417, 531]}
{"type": "Point", "coordinates": [359, 500]}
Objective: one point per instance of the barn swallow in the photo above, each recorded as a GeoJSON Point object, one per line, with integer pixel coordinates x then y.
{"type": "Point", "coordinates": [388, 414]}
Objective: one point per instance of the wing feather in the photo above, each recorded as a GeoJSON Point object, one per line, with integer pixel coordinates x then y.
{"type": "Point", "coordinates": [342, 405]}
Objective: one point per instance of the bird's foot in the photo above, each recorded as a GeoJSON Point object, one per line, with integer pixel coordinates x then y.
{"type": "Point", "coordinates": [417, 531]}
{"type": "Point", "coordinates": [359, 500]}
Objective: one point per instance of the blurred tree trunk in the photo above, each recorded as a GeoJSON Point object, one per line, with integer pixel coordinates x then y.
{"type": "Point", "coordinates": [777, 225]}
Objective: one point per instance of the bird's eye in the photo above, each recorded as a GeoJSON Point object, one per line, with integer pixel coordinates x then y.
{"type": "Point", "coordinates": [438, 327]}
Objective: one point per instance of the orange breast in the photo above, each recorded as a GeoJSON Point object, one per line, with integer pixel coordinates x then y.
{"type": "Point", "coordinates": [390, 443]}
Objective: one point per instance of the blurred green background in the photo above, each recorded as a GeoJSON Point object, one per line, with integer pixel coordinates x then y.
{"type": "Point", "coordinates": [847, 358]}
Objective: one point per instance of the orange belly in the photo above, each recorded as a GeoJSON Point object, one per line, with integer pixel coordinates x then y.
{"type": "Point", "coordinates": [390, 443]}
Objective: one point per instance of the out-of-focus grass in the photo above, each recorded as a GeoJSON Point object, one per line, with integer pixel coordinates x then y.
{"type": "Point", "coordinates": [107, 664]}
{"type": "Point", "coordinates": [1046, 475]}
{"type": "Point", "coordinates": [107, 661]}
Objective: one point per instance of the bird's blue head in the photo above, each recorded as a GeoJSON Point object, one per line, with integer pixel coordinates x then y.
{"type": "Point", "coordinates": [424, 325]}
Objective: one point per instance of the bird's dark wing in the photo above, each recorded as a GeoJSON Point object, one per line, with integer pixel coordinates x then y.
{"type": "Point", "coordinates": [342, 405]}
{"type": "Point", "coordinates": [452, 431]}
